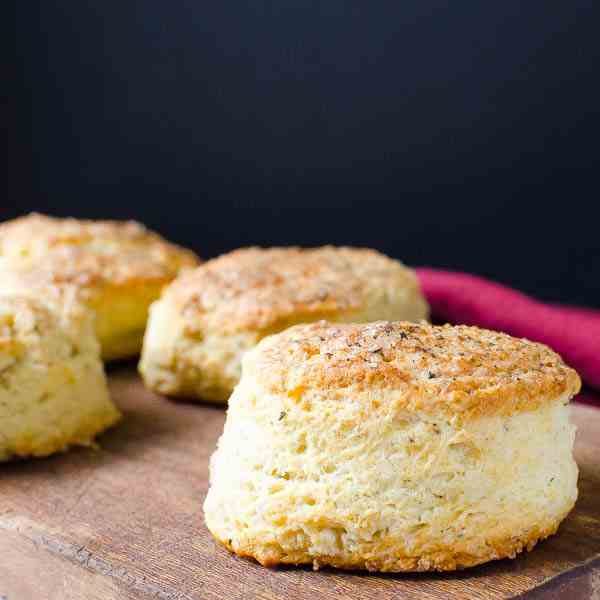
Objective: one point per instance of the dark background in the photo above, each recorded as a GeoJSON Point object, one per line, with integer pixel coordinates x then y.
{"type": "Point", "coordinates": [454, 134]}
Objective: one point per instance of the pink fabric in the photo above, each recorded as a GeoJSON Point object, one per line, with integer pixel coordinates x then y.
{"type": "Point", "coordinates": [572, 332]}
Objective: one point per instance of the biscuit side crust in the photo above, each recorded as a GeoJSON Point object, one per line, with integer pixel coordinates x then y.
{"type": "Point", "coordinates": [386, 491]}
{"type": "Point", "coordinates": [53, 391]}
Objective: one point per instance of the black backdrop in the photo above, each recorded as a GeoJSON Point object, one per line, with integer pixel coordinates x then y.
{"type": "Point", "coordinates": [455, 134]}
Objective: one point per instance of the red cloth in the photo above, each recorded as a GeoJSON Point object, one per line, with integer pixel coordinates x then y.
{"type": "Point", "coordinates": [572, 332]}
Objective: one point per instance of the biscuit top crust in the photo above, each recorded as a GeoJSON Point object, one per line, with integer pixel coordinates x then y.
{"type": "Point", "coordinates": [85, 252]}
{"type": "Point", "coordinates": [257, 288]}
{"type": "Point", "coordinates": [452, 369]}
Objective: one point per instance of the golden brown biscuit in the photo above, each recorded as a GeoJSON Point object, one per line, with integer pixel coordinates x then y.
{"type": "Point", "coordinates": [115, 268]}
{"type": "Point", "coordinates": [393, 447]}
{"type": "Point", "coordinates": [53, 391]}
{"type": "Point", "coordinates": [206, 319]}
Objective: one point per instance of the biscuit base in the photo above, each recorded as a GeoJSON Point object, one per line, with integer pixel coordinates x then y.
{"type": "Point", "coordinates": [395, 561]}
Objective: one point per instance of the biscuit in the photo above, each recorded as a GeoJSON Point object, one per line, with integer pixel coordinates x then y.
{"type": "Point", "coordinates": [393, 446]}
{"type": "Point", "coordinates": [53, 391]}
{"type": "Point", "coordinates": [115, 268]}
{"type": "Point", "coordinates": [206, 320]}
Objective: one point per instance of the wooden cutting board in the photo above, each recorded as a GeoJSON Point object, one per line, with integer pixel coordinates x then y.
{"type": "Point", "coordinates": [125, 521]}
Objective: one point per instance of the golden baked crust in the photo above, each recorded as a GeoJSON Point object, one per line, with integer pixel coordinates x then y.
{"type": "Point", "coordinates": [88, 253]}
{"type": "Point", "coordinates": [209, 317]}
{"type": "Point", "coordinates": [257, 288]}
{"type": "Point", "coordinates": [453, 369]}
{"type": "Point", "coordinates": [117, 269]}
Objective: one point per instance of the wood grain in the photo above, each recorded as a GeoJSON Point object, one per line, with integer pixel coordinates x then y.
{"type": "Point", "coordinates": [125, 521]}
